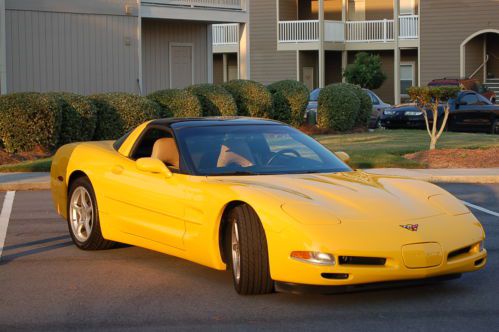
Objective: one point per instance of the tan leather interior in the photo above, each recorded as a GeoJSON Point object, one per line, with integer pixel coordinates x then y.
{"type": "Point", "coordinates": [165, 149]}
{"type": "Point", "coordinates": [235, 152]}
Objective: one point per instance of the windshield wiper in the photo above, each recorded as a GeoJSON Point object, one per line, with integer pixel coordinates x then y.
{"type": "Point", "coordinates": [235, 173]}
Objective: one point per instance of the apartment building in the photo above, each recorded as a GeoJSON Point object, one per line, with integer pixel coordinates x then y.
{"type": "Point", "coordinates": [418, 40]}
{"type": "Point", "coordinates": [91, 46]}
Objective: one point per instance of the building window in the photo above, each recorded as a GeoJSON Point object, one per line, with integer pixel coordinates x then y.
{"type": "Point", "coordinates": [407, 77]}
{"type": "Point", "coordinates": [407, 7]}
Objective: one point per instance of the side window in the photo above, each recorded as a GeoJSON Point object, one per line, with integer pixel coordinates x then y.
{"type": "Point", "coordinates": [143, 148]}
{"type": "Point", "coordinates": [374, 100]}
{"type": "Point", "coordinates": [469, 99]}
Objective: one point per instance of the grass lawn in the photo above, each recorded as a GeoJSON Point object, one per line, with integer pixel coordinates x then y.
{"type": "Point", "coordinates": [386, 148]}
{"type": "Point", "coordinates": [382, 148]}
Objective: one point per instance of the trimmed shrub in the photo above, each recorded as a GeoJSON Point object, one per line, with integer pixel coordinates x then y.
{"type": "Point", "coordinates": [29, 121]}
{"type": "Point", "coordinates": [177, 103]}
{"type": "Point", "coordinates": [366, 105]}
{"type": "Point", "coordinates": [290, 99]}
{"type": "Point", "coordinates": [338, 107]}
{"type": "Point", "coordinates": [119, 112]}
{"type": "Point", "coordinates": [252, 98]}
{"type": "Point", "coordinates": [214, 100]}
{"type": "Point", "coordinates": [79, 117]}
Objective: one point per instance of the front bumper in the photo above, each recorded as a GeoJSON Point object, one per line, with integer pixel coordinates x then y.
{"type": "Point", "coordinates": [403, 122]}
{"type": "Point", "coordinates": [372, 239]}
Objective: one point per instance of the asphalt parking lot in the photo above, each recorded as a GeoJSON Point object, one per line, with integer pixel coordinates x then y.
{"type": "Point", "coordinates": [46, 283]}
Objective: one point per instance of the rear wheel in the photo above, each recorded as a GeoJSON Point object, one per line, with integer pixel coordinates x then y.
{"type": "Point", "coordinates": [495, 127]}
{"type": "Point", "coordinates": [247, 252]}
{"type": "Point", "coordinates": [83, 217]}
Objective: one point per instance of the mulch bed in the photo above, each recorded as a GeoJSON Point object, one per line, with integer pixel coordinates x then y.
{"type": "Point", "coordinates": [457, 158]}
{"type": "Point", "coordinates": [8, 158]}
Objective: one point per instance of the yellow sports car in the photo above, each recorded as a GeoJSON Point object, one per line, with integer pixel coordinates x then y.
{"type": "Point", "coordinates": [264, 200]}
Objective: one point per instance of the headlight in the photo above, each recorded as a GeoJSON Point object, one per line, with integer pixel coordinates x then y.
{"type": "Point", "coordinates": [411, 113]}
{"type": "Point", "coordinates": [313, 257]}
{"type": "Point", "coordinates": [388, 112]}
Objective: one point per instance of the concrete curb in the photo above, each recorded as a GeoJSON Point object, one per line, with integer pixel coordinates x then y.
{"type": "Point", "coordinates": [41, 181]}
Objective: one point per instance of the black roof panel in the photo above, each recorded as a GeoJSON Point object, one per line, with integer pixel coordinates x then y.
{"type": "Point", "coordinates": [212, 121]}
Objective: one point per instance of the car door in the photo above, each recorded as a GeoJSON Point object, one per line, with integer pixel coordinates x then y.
{"type": "Point", "coordinates": [147, 205]}
{"type": "Point", "coordinates": [467, 113]}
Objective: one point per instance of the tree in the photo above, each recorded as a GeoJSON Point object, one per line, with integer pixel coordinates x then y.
{"type": "Point", "coordinates": [365, 71]}
{"type": "Point", "coordinates": [433, 99]}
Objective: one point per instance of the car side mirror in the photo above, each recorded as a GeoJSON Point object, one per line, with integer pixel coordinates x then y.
{"type": "Point", "coordinates": [153, 165]}
{"type": "Point", "coordinates": [343, 156]}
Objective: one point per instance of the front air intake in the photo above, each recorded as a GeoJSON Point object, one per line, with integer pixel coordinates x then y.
{"type": "Point", "coordinates": [359, 260]}
{"type": "Point", "coordinates": [459, 252]}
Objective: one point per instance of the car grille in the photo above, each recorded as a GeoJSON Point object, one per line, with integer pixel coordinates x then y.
{"type": "Point", "coordinates": [359, 260]}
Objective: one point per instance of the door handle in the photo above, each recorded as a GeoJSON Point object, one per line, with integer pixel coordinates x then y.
{"type": "Point", "coordinates": [117, 169]}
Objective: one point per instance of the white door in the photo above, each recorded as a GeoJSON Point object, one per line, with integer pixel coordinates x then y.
{"type": "Point", "coordinates": [308, 77]}
{"type": "Point", "coordinates": [181, 71]}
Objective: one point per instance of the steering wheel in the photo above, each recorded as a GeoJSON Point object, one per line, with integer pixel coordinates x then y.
{"type": "Point", "coordinates": [283, 152]}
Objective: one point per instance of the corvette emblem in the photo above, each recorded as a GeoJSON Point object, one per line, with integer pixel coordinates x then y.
{"type": "Point", "coordinates": [411, 227]}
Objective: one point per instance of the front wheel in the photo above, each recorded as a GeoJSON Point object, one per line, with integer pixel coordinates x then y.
{"type": "Point", "coordinates": [495, 127]}
{"type": "Point", "coordinates": [248, 253]}
{"type": "Point", "coordinates": [83, 217]}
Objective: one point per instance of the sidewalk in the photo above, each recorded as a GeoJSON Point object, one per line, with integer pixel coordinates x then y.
{"type": "Point", "coordinates": [41, 181]}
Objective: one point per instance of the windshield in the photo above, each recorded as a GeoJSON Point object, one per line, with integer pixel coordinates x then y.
{"type": "Point", "coordinates": [314, 95]}
{"type": "Point", "coordinates": [254, 150]}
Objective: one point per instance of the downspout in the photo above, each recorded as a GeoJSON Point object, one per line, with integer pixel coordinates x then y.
{"type": "Point", "coordinates": [3, 50]}
{"type": "Point", "coordinates": [139, 44]}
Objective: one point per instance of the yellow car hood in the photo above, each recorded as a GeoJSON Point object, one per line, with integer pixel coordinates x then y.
{"type": "Point", "coordinates": [350, 196]}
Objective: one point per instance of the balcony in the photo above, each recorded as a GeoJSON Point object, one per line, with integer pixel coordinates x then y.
{"type": "Point", "coordinates": [225, 34]}
{"type": "Point", "coordinates": [218, 4]}
{"type": "Point", "coordinates": [374, 31]}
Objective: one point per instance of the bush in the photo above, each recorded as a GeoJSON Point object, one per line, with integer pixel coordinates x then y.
{"type": "Point", "coordinates": [338, 107]}
{"type": "Point", "coordinates": [214, 100]}
{"type": "Point", "coordinates": [365, 71]}
{"type": "Point", "coordinates": [29, 121]}
{"type": "Point", "coordinates": [252, 98]}
{"type": "Point", "coordinates": [118, 112]}
{"type": "Point", "coordinates": [79, 117]}
{"type": "Point", "coordinates": [366, 105]}
{"type": "Point", "coordinates": [177, 103]}
{"type": "Point", "coordinates": [290, 99]}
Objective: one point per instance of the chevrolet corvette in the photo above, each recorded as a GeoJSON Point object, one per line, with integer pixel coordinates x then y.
{"type": "Point", "coordinates": [263, 200]}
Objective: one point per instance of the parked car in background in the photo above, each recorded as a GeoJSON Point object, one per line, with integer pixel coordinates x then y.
{"type": "Point", "coordinates": [378, 107]}
{"type": "Point", "coordinates": [311, 113]}
{"type": "Point", "coordinates": [466, 84]}
{"type": "Point", "coordinates": [374, 122]}
{"type": "Point", "coordinates": [469, 112]}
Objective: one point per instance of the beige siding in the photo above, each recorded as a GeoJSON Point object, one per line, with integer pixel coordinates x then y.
{"type": "Point", "coordinates": [267, 64]}
{"type": "Point", "coordinates": [442, 33]}
{"type": "Point", "coordinates": [108, 7]}
{"type": "Point", "coordinates": [71, 52]}
{"type": "Point", "coordinates": [157, 35]}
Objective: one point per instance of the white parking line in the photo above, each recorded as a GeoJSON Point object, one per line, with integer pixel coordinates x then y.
{"type": "Point", "coordinates": [479, 208]}
{"type": "Point", "coordinates": [5, 217]}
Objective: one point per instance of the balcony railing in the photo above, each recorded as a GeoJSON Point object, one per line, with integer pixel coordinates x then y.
{"type": "Point", "coordinates": [222, 4]}
{"type": "Point", "coordinates": [409, 27]}
{"type": "Point", "coordinates": [350, 31]}
{"type": "Point", "coordinates": [225, 34]}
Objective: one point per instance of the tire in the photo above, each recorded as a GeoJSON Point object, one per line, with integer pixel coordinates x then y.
{"type": "Point", "coordinates": [251, 275]}
{"type": "Point", "coordinates": [495, 127]}
{"type": "Point", "coordinates": [85, 230]}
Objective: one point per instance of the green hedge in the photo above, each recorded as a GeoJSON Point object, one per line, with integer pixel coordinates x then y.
{"type": "Point", "coordinates": [252, 98]}
{"type": "Point", "coordinates": [177, 103]}
{"type": "Point", "coordinates": [366, 105]}
{"type": "Point", "coordinates": [290, 99]}
{"type": "Point", "coordinates": [214, 100]}
{"type": "Point", "coordinates": [118, 112]}
{"type": "Point", "coordinates": [79, 117]}
{"type": "Point", "coordinates": [29, 121]}
{"type": "Point", "coordinates": [338, 107]}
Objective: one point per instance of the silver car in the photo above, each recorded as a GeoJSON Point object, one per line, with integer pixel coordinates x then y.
{"type": "Point", "coordinates": [374, 122]}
